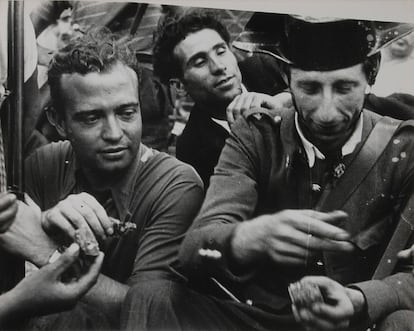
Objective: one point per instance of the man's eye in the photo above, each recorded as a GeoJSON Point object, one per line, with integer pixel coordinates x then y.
{"type": "Point", "coordinates": [199, 62]}
{"type": "Point", "coordinates": [344, 89]}
{"type": "Point", "coordinates": [221, 50]}
{"type": "Point", "coordinates": [127, 114]}
{"type": "Point", "coordinates": [311, 90]}
{"type": "Point", "coordinates": [90, 119]}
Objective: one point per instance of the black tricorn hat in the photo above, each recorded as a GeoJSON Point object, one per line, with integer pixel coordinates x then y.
{"type": "Point", "coordinates": [318, 43]}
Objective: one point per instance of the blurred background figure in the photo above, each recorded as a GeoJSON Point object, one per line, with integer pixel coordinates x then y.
{"type": "Point", "coordinates": [397, 68]}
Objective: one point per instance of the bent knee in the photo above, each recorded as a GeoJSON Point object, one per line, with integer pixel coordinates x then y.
{"type": "Point", "coordinates": [400, 320]}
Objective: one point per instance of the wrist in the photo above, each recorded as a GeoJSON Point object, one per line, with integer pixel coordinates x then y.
{"type": "Point", "coordinates": [245, 245]}
{"type": "Point", "coordinates": [358, 301]}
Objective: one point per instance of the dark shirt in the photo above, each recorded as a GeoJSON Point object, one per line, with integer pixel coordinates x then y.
{"type": "Point", "coordinates": [262, 170]}
{"type": "Point", "coordinates": [158, 193]}
{"type": "Point", "coordinates": [201, 143]}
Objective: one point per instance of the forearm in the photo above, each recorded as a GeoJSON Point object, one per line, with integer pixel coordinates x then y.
{"type": "Point", "coordinates": [107, 296]}
{"type": "Point", "coordinates": [10, 306]}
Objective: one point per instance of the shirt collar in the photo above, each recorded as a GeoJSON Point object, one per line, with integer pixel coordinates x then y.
{"type": "Point", "coordinates": [121, 191]}
{"type": "Point", "coordinates": [313, 152]}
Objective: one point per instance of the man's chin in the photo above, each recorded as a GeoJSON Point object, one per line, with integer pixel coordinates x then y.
{"type": "Point", "coordinates": [113, 168]}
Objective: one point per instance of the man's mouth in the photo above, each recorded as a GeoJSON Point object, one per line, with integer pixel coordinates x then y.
{"type": "Point", "coordinates": [224, 82]}
{"type": "Point", "coordinates": [113, 152]}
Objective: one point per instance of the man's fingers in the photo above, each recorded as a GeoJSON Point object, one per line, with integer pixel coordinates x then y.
{"type": "Point", "coordinates": [320, 225]}
{"type": "Point", "coordinates": [333, 217]}
{"type": "Point", "coordinates": [91, 219]}
{"type": "Point", "coordinates": [315, 322]}
{"type": "Point", "coordinates": [6, 200]}
{"type": "Point", "coordinates": [100, 212]}
{"type": "Point", "coordinates": [86, 281]}
{"type": "Point", "coordinates": [68, 257]}
{"type": "Point", "coordinates": [229, 111]}
{"type": "Point", "coordinates": [261, 100]}
{"type": "Point", "coordinates": [72, 215]}
{"type": "Point", "coordinates": [330, 313]}
{"type": "Point", "coordinates": [405, 254]}
{"type": "Point", "coordinates": [53, 219]}
{"type": "Point", "coordinates": [311, 242]}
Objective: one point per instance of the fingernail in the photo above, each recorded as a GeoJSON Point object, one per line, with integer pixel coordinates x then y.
{"type": "Point", "coordinates": [73, 248]}
{"type": "Point", "coordinates": [343, 236]}
{"type": "Point", "coordinates": [110, 231]}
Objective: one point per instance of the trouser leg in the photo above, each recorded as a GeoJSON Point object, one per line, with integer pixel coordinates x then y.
{"type": "Point", "coordinates": [169, 305]}
{"type": "Point", "coordinates": [82, 317]}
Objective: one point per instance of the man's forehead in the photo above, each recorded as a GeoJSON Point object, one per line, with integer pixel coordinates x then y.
{"type": "Point", "coordinates": [338, 74]}
{"type": "Point", "coordinates": [116, 70]}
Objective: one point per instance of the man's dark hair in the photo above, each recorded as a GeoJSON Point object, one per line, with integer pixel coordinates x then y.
{"type": "Point", "coordinates": [95, 51]}
{"type": "Point", "coordinates": [172, 31]}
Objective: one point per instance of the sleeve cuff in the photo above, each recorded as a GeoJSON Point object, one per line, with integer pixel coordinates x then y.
{"type": "Point", "coordinates": [219, 240]}
{"type": "Point", "coordinates": [380, 298]}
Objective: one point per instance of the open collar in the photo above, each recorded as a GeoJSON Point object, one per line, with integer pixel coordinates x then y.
{"type": "Point", "coordinates": [121, 191]}
{"type": "Point", "coordinates": [312, 152]}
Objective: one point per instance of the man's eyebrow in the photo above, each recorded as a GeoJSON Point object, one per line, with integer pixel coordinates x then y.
{"type": "Point", "coordinates": [87, 112]}
{"type": "Point", "coordinates": [346, 81]}
{"type": "Point", "coordinates": [307, 82]}
{"type": "Point", "coordinates": [127, 105]}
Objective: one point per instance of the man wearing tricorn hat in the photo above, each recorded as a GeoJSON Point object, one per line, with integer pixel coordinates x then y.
{"type": "Point", "coordinates": [305, 203]}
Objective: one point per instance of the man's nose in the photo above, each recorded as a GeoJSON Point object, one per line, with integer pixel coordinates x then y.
{"type": "Point", "coordinates": [112, 130]}
{"type": "Point", "coordinates": [327, 111]}
{"type": "Point", "coordinates": [217, 65]}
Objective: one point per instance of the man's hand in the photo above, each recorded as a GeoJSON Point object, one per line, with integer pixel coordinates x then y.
{"type": "Point", "coordinates": [43, 292]}
{"type": "Point", "coordinates": [249, 100]}
{"type": "Point", "coordinates": [8, 210]}
{"type": "Point", "coordinates": [25, 236]}
{"type": "Point", "coordinates": [78, 211]}
{"type": "Point", "coordinates": [289, 237]}
{"type": "Point", "coordinates": [340, 305]}
{"type": "Point", "coordinates": [407, 255]}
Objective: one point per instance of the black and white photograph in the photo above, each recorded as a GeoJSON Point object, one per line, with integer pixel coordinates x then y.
{"type": "Point", "coordinates": [207, 165]}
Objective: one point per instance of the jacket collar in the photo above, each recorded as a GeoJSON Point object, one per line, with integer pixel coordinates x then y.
{"type": "Point", "coordinates": [291, 140]}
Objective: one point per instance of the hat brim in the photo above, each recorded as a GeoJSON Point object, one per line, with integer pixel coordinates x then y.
{"type": "Point", "coordinates": [266, 37]}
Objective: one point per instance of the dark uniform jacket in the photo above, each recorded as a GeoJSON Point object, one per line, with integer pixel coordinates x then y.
{"type": "Point", "coordinates": [263, 170]}
{"type": "Point", "coordinates": [201, 143]}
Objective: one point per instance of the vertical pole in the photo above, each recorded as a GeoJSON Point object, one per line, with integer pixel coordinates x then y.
{"type": "Point", "coordinates": [12, 268]}
{"type": "Point", "coordinates": [15, 85]}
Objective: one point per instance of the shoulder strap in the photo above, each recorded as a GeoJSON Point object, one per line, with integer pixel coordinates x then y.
{"type": "Point", "coordinates": [367, 157]}
{"type": "Point", "coordinates": [398, 241]}
{"type": "Point", "coordinates": [369, 154]}
{"type": "Point", "coordinates": [401, 235]}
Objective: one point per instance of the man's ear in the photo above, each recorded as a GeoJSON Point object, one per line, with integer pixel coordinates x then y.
{"type": "Point", "coordinates": [178, 85]}
{"type": "Point", "coordinates": [56, 119]}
